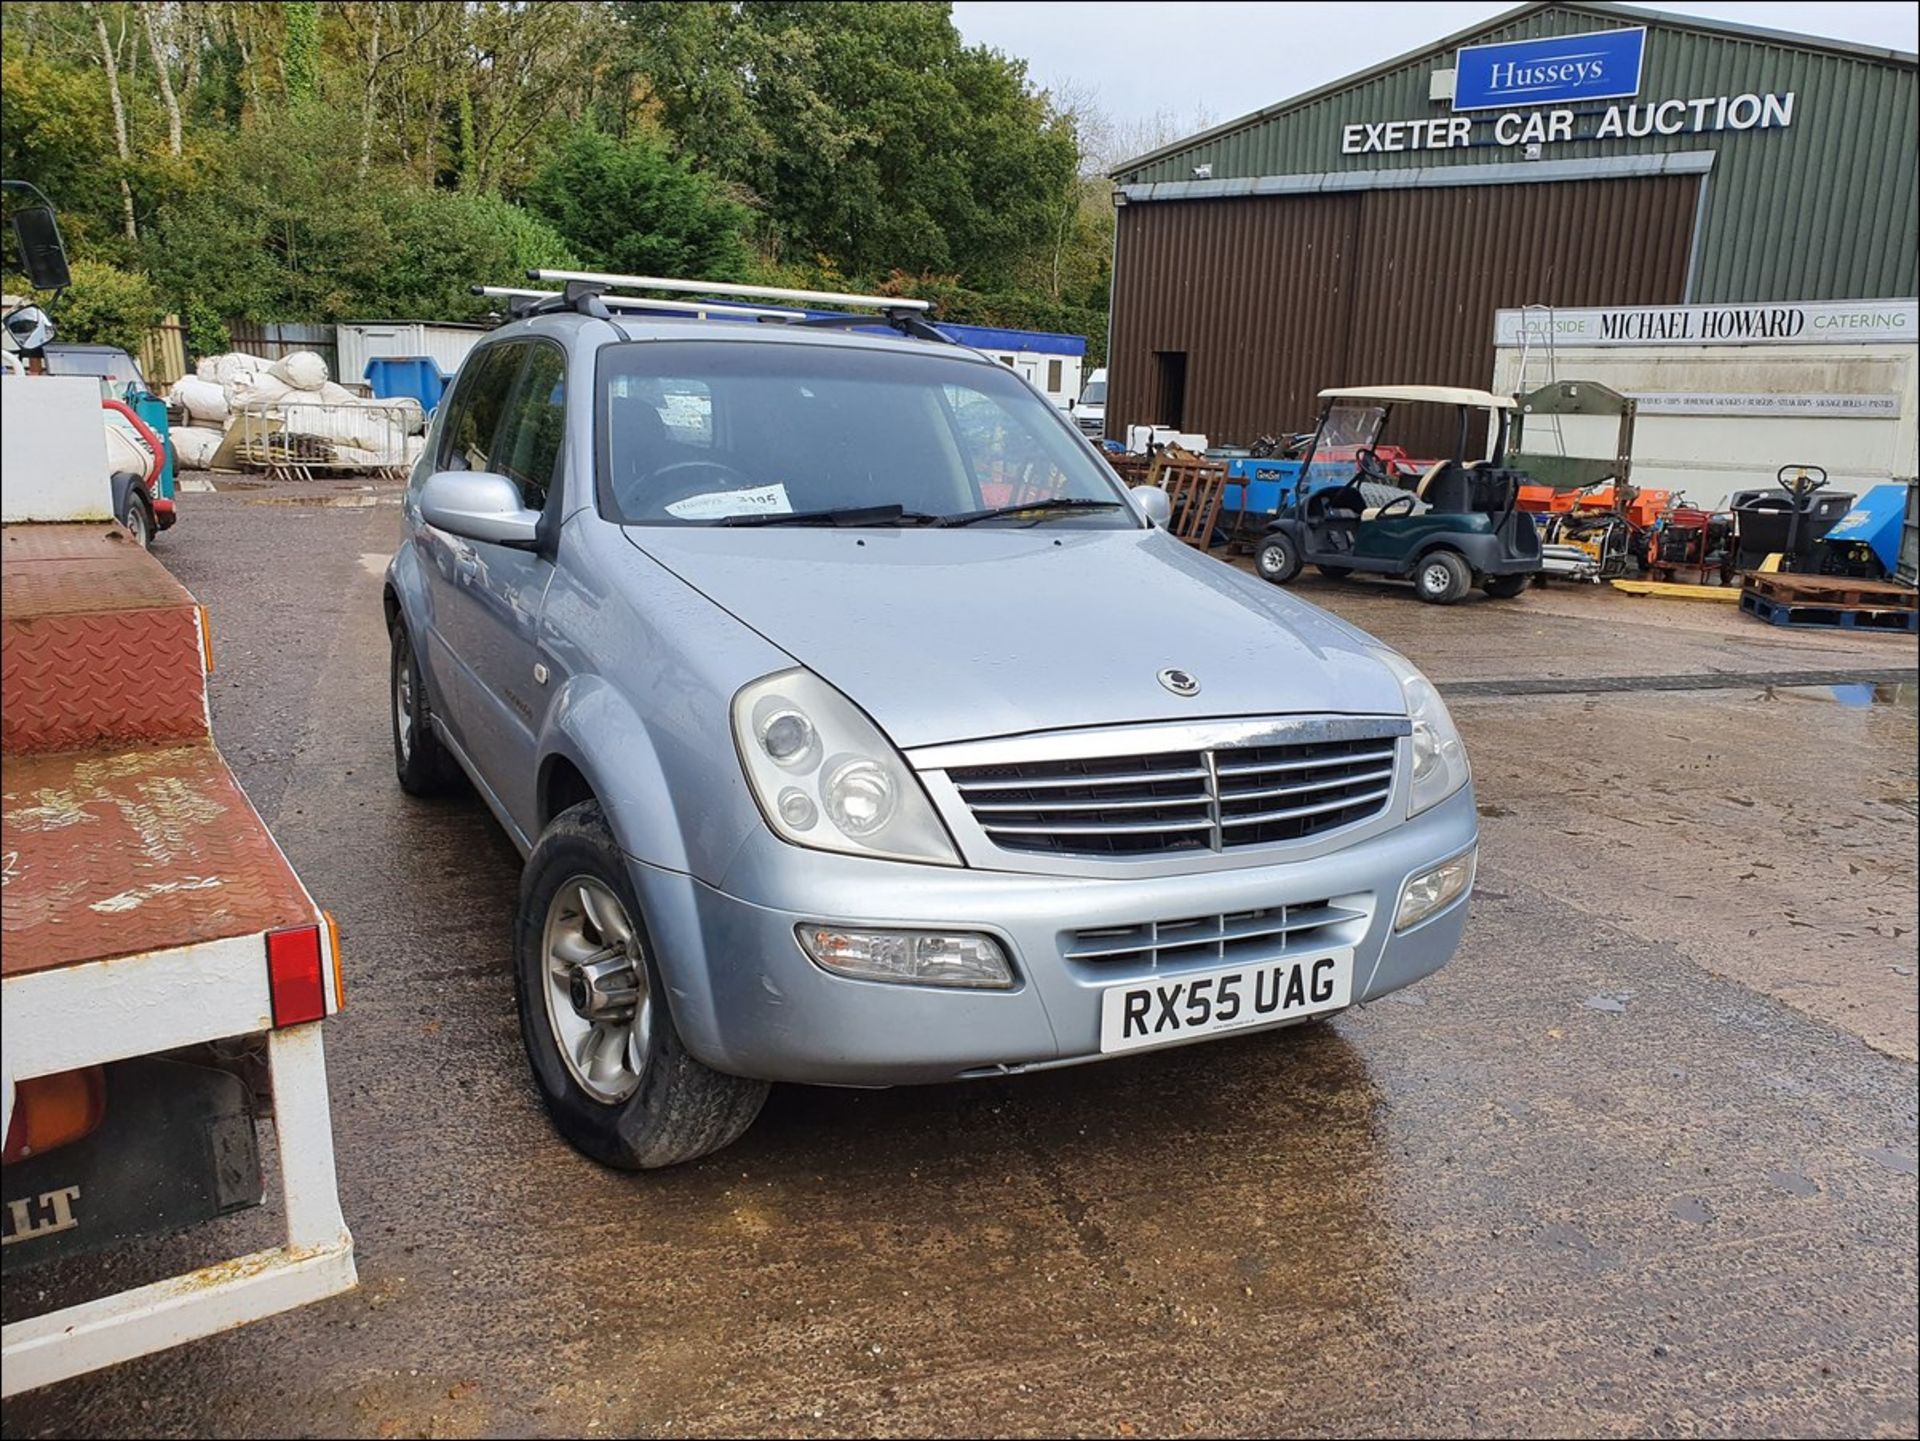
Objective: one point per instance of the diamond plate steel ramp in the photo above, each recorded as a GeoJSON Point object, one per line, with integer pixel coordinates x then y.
{"type": "Point", "coordinates": [99, 646]}
{"type": "Point", "coordinates": [119, 853]}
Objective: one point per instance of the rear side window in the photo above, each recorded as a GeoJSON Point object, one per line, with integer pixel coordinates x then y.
{"type": "Point", "coordinates": [479, 404]}
{"type": "Point", "coordinates": [528, 445]}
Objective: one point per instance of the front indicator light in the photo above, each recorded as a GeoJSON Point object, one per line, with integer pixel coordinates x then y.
{"type": "Point", "coordinates": [1434, 890]}
{"type": "Point", "coordinates": [914, 958]}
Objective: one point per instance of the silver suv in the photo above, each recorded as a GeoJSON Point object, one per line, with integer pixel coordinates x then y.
{"type": "Point", "coordinates": [860, 728]}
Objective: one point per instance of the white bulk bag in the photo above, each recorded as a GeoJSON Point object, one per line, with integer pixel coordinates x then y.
{"type": "Point", "coordinates": [222, 368]}
{"type": "Point", "coordinates": [202, 399]}
{"type": "Point", "coordinates": [303, 370]}
{"type": "Point", "coordinates": [194, 445]}
{"type": "Point", "coordinates": [262, 388]}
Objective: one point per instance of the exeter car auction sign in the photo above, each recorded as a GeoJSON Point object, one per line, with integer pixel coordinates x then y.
{"type": "Point", "coordinates": [1520, 78]}
{"type": "Point", "coordinates": [1821, 322]}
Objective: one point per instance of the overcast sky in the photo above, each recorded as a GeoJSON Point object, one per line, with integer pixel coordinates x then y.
{"type": "Point", "coordinates": [1222, 60]}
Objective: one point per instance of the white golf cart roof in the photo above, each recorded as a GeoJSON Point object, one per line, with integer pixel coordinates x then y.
{"type": "Point", "coordinates": [1438, 394]}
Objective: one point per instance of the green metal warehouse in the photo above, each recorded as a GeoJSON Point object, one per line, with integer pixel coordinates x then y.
{"type": "Point", "coordinates": [1558, 155]}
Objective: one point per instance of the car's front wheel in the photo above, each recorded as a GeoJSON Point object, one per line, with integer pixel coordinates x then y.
{"type": "Point", "coordinates": [618, 1081]}
{"type": "Point", "coordinates": [1506, 587]}
{"type": "Point", "coordinates": [1277, 559]}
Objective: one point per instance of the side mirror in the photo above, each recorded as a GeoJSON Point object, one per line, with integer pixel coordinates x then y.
{"type": "Point", "coordinates": [42, 254]}
{"type": "Point", "coordinates": [479, 505]}
{"type": "Point", "coordinates": [1154, 503]}
{"type": "Point", "coordinates": [29, 329]}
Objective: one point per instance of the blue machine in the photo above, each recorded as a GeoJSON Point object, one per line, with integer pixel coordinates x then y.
{"type": "Point", "coordinates": [1259, 487]}
{"type": "Point", "coordinates": [1874, 522]}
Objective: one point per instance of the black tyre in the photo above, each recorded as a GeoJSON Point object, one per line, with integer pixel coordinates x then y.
{"type": "Point", "coordinates": [1505, 587]}
{"type": "Point", "coordinates": [616, 1077]}
{"type": "Point", "coordinates": [420, 761]}
{"type": "Point", "coordinates": [1442, 577]}
{"type": "Point", "coordinates": [139, 518]}
{"type": "Point", "coordinates": [1277, 559]}
{"type": "Point", "coordinates": [1335, 572]}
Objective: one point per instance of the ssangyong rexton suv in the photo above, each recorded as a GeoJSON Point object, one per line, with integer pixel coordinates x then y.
{"type": "Point", "coordinates": [860, 728]}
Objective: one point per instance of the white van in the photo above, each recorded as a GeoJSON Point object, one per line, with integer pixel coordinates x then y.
{"type": "Point", "coordinates": [1089, 412]}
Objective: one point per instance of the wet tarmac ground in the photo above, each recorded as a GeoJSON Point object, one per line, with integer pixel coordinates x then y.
{"type": "Point", "coordinates": [1641, 1160]}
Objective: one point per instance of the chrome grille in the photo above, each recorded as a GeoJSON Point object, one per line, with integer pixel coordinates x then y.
{"type": "Point", "coordinates": [1209, 940]}
{"type": "Point", "coordinates": [1169, 802]}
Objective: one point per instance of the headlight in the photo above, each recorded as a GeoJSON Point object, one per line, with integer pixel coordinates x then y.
{"type": "Point", "coordinates": [825, 777]}
{"type": "Point", "coordinates": [1439, 759]}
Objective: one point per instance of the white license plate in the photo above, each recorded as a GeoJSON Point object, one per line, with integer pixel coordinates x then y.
{"type": "Point", "coordinates": [1166, 1009]}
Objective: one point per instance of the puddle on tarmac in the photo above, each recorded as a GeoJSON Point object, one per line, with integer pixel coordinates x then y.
{"type": "Point", "coordinates": [1897, 1161]}
{"type": "Point", "coordinates": [1793, 1183]}
{"type": "Point", "coordinates": [1858, 696]}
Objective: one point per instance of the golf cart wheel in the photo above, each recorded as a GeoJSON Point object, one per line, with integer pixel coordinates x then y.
{"type": "Point", "coordinates": [1277, 559]}
{"type": "Point", "coordinates": [1505, 587]}
{"type": "Point", "coordinates": [1442, 577]}
{"type": "Point", "coordinates": [1335, 572]}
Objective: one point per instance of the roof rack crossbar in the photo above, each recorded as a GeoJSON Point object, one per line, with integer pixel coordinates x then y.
{"type": "Point", "coordinates": [907, 322]}
{"type": "Point", "coordinates": [641, 302]}
{"type": "Point", "coordinates": [585, 297]}
{"type": "Point", "coordinates": [749, 292]}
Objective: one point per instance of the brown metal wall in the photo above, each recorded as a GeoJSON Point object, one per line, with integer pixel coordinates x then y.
{"type": "Point", "coordinates": [1276, 297]}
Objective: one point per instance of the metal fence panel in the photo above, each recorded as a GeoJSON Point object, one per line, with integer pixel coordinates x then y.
{"type": "Point", "coordinates": [296, 439]}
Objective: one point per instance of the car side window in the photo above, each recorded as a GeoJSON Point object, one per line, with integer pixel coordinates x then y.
{"type": "Point", "coordinates": [479, 403]}
{"type": "Point", "coordinates": [527, 447]}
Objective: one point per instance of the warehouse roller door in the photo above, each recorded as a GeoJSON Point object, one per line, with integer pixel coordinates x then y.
{"type": "Point", "coordinates": [1273, 298]}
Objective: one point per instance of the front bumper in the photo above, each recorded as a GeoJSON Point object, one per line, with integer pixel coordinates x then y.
{"type": "Point", "coordinates": [748, 1001]}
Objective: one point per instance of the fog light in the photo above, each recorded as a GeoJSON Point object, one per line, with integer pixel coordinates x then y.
{"type": "Point", "coordinates": [917, 958]}
{"type": "Point", "coordinates": [1433, 890]}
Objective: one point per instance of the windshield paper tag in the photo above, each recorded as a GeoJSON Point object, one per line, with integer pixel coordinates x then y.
{"type": "Point", "coordinates": [717, 505]}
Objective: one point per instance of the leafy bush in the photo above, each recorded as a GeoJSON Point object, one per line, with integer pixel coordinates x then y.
{"type": "Point", "coordinates": [107, 306]}
{"type": "Point", "coordinates": [207, 332]}
{"type": "Point", "coordinates": [445, 241]}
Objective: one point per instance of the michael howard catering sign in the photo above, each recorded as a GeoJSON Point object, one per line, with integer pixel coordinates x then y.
{"type": "Point", "coordinates": [1600, 66]}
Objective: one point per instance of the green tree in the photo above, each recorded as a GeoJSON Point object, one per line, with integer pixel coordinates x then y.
{"type": "Point", "coordinates": [896, 145]}
{"type": "Point", "coordinates": [302, 57]}
{"type": "Point", "coordinates": [629, 206]}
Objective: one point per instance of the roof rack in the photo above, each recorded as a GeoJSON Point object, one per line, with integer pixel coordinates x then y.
{"type": "Point", "coordinates": [589, 293]}
{"type": "Point", "coordinates": [535, 303]}
{"type": "Point", "coordinates": [884, 303]}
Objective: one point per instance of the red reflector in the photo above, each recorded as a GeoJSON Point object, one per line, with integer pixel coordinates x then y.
{"type": "Point", "coordinates": [295, 976]}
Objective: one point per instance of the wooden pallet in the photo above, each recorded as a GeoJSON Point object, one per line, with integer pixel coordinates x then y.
{"type": "Point", "coordinates": [1674, 590]}
{"type": "Point", "coordinates": [1832, 592]}
{"type": "Point", "coordinates": [1896, 619]}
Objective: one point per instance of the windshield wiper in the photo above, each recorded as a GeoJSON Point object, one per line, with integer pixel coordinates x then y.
{"type": "Point", "coordinates": [1038, 509]}
{"type": "Point", "coordinates": [844, 515]}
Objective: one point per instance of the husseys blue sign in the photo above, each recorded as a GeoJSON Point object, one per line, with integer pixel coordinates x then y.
{"type": "Point", "coordinates": [1599, 66]}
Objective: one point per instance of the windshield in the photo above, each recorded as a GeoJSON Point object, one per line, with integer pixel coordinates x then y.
{"type": "Point", "coordinates": [696, 433]}
{"type": "Point", "coordinates": [115, 366]}
{"type": "Point", "coordinates": [1095, 393]}
{"type": "Point", "coordinates": [1347, 430]}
